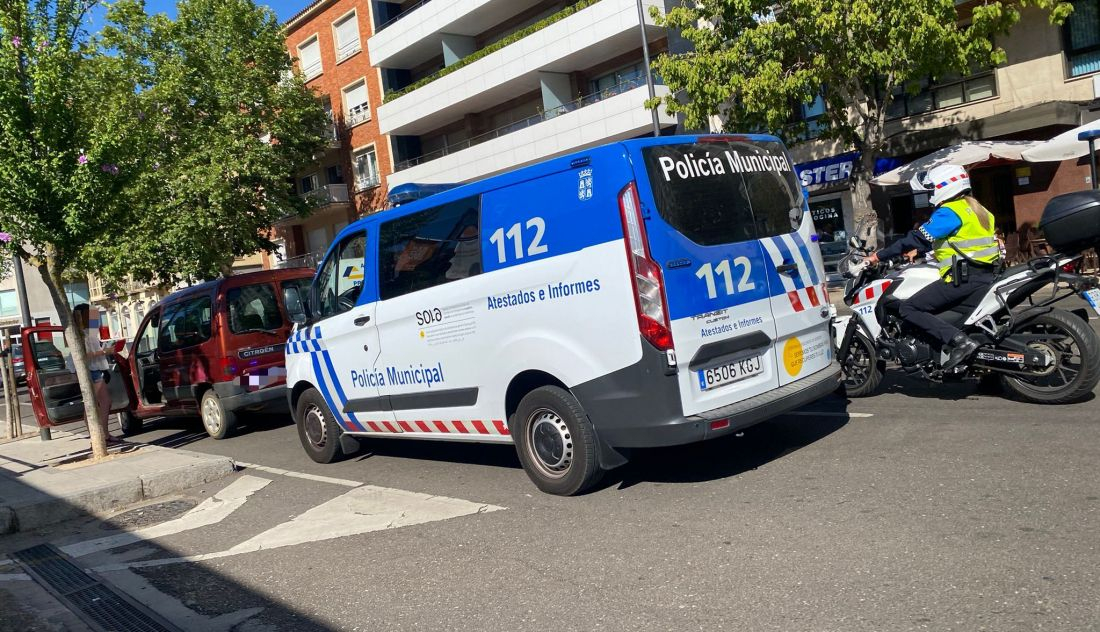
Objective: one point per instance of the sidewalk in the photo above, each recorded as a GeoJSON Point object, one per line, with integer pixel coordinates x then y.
{"type": "Point", "coordinates": [36, 490]}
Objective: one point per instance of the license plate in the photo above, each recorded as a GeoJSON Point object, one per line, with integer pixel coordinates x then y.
{"type": "Point", "coordinates": [735, 371]}
{"type": "Point", "coordinates": [1093, 297]}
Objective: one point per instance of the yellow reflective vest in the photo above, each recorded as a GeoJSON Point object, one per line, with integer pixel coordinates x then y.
{"type": "Point", "coordinates": [976, 238]}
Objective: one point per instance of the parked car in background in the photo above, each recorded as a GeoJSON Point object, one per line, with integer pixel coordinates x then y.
{"type": "Point", "coordinates": [17, 363]}
{"type": "Point", "coordinates": [211, 350]}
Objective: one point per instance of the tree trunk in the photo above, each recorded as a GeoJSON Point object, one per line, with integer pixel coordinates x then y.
{"type": "Point", "coordinates": [74, 336]}
{"type": "Point", "coordinates": [866, 220]}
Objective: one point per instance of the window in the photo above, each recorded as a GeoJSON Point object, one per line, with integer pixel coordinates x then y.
{"type": "Point", "coordinates": [810, 114]}
{"type": "Point", "coordinates": [308, 184]}
{"type": "Point", "coordinates": [340, 280]}
{"type": "Point", "coordinates": [951, 91]}
{"type": "Point", "coordinates": [147, 341]}
{"type": "Point", "coordinates": [347, 37]}
{"type": "Point", "coordinates": [185, 324]}
{"type": "Point", "coordinates": [253, 308]}
{"type": "Point", "coordinates": [356, 104]}
{"type": "Point", "coordinates": [629, 77]}
{"type": "Point", "coordinates": [366, 169]}
{"type": "Point", "coordinates": [9, 304]}
{"type": "Point", "coordinates": [762, 198]}
{"type": "Point", "coordinates": [335, 174]}
{"type": "Point", "coordinates": [1081, 34]}
{"type": "Point", "coordinates": [430, 248]}
{"type": "Point", "coordinates": [309, 58]}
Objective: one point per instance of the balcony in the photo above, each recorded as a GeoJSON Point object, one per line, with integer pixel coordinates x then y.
{"type": "Point", "coordinates": [404, 43]}
{"type": "Point", "coordinates": [347, 50]}
{"type": "Point", "coordinates": [304, 261]}
{"type": "Point", "coordinates": [593, 35]}
{"type": "Point", "coordinates": [328, 194]}
{"type": "Point", "coordinates": [611, 115]}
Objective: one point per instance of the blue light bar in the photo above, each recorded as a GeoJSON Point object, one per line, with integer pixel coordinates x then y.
{"type": "Point", "coordinates": [412, 191]}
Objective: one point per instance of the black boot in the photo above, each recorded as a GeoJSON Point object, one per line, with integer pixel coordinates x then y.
{"type": "Point", "coordinates": [962, 346]}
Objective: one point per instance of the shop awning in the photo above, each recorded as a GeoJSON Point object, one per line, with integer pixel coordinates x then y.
{"type": "Point", "coordinates": [966, 154]}
{"type": "Point", "coordinates": [1064, 146]}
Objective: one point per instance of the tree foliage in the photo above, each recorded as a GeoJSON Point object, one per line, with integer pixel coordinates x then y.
{"type": "Point", "coordinates": [150, 148]}
{"type": "Point", "coordinates": [755, 61]}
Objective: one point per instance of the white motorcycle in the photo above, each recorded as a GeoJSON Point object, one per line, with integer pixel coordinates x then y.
{"type": "Point", "coordinates": [1041, 353]}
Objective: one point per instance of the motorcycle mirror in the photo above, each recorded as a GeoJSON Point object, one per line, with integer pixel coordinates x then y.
{"type": "Point", "coordinates": [855, 242]}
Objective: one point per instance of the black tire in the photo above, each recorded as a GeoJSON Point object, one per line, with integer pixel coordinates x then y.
{"type": "Point", "coordinates": [1077, 367]}
{"type": "Point", "coordinates": [556, 442]}
{"type": "Point", "coordinates": [218, 421]}
{"type": "Point", "coordinates": [130, 423]}
{"type": "Point", "coordinates": [317, 428]}
{"type": "Point", "coordinates": [862, 370]}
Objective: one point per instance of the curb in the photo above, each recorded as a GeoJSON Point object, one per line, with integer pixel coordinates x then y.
{"type": "Point", "coordinates": [114, 496]}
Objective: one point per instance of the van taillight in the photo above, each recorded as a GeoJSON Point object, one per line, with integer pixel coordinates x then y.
{"type": "Point", "coordinates": [649, 292]}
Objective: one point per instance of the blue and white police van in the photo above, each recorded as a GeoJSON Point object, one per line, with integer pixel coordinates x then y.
{"type": "Point", "coordinates": [644, 293]}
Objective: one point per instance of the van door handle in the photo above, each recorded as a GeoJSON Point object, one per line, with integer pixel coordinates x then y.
{"type": "Point", "coordinates": [786, 268]}
{"type": "Point", "coordinates": [362, 320]}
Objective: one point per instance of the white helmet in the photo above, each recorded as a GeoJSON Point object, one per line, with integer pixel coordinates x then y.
{"type": "Point", "coordinates": [944, 182]}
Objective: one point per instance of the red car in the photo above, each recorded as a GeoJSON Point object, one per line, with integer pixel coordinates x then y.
{"type": "Point", "coordinates": [210, 350]}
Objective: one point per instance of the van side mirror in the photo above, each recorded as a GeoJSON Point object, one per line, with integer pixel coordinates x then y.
{"type": "Point", "coordinates": [295, 307]}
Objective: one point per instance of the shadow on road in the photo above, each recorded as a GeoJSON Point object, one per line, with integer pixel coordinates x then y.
{"type": "Point", "coordinates": [730, 455]}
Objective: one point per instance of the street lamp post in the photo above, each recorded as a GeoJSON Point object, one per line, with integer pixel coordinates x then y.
{"type": "Point", "coordinates": [1090, 136]}
{"type": "Point", "coordinates": [648, 72]}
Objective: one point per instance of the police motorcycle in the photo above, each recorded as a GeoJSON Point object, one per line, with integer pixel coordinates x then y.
{"type": "Point", "coordinates": [1040, 353]}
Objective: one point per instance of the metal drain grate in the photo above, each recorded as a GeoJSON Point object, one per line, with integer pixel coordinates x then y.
{"type": "Point", "coordinates": [96, 603]}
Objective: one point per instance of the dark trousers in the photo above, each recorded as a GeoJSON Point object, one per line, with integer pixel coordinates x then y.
{"type": "Point", "coordinates": [920, 310]}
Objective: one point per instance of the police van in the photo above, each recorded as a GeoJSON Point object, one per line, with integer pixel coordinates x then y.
{"type": "Point", "coordinates": [645, 293]}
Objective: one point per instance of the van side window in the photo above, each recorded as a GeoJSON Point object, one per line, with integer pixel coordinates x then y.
{"type": "Point", "coordinates": [185, 325]}
{"type": "Point", "coordinates": [148, 339]}
{"type": "Point", "coordinates": [430, 248]}
{"type": "Point", "coordinates": [340, 281]}
{"type": "Point", "coordinates": [253, 308]}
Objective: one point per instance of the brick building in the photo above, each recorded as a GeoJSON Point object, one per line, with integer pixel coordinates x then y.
{"type": "Point", "coordinates": [348, 180]}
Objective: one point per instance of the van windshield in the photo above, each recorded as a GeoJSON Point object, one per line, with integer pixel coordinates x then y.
{"type": "Point", "coordinates": [726, 191]}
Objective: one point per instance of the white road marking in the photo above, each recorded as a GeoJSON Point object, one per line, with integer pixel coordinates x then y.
{"type": "Point", "coordinates": [361, 510]}
{"type": "Point", "coordinates": [210, 511]}
{"type": "Point", "coordinates": [815, 413]}
{"type": "Point", "coordinates": [309, 477]}
{"type": "Point", "coordinates": [15, 577]}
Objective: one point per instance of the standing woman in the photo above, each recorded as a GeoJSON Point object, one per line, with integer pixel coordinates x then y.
{"type": "Point", "coordinates": [97, 365]}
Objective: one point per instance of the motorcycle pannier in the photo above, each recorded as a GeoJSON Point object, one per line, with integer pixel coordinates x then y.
{"type": "Point", "coordinates": [1071, 222]}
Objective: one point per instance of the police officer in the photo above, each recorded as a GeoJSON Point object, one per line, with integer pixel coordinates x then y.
{"type": "Point", "coordinates": [961, 235]}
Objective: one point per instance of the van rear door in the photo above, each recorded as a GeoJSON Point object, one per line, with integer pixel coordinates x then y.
{"type": "Point", "coordinates": [721, 216]}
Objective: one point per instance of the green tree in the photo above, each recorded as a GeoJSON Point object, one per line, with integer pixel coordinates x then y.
{"type": "Point", "coordinates": [754, 61]}
{"type": "Point", "coordinates": [144, 149]}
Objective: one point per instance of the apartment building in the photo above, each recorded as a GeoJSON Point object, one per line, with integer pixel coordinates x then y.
{"type": "Point", "coordinates": [328, 40]}
{"type": "Point", "coordinates": [476, 87]}
{"type": "Point", "coordinates": [1049, 84]}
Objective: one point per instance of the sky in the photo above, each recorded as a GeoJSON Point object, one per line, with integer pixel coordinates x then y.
{"type": "Point", "coordinates": [284, 8]}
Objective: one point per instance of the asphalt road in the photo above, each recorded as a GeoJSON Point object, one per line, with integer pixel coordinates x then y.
{"type": "Point", "coordinates": [926, 507]}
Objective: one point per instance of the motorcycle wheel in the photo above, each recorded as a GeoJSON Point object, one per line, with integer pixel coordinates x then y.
{"type": "Point", "coordinates": [862, 370]}
{"type": "Point", "coordinates": [1075, 347]}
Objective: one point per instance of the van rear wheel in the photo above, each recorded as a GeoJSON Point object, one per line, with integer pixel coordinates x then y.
{"type": "Point", "coordinates": [556, 442]}
{"type": "Point", "coordinates": [130, 423]}
{"type": "Point", "coordinates": [317, 429]}
{"type": "Point", "coordinates": [218, 421]}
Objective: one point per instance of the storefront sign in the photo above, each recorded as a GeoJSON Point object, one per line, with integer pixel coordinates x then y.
{"type": "Point", "coordinates": [828, 171]}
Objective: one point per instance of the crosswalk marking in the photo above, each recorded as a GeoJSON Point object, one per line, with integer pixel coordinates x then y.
{"type": "Point", "coordinates": [210, 511]}
{"type": "Point", "coordinates": [362, 510]}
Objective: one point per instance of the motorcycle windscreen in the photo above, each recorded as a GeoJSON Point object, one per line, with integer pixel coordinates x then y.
{"type": "Point", "coordinates": [707, 242]}
{"type": "Point", "coordinates": [53, 380]}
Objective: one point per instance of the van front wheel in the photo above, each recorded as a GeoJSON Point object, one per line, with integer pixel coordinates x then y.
{"type": "Point", "coordinates": [317, 430]}
{"type": "Point", "coordinates": [556, 442]}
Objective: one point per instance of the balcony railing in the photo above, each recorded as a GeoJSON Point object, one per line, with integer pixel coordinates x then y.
{"type": "Point", "coordinates": [358, 114]}
{"type": "Point", "coordinates": [626, 86]}
{"type": "Point", "coordinates": [303, 261]}
{"type": "Point", "coordinates": [328, 194]}
{"type": "Point", "coordinates": [401, 15]}
{"type": "Point", "coordinates": [312, 70]}
{"type": "Point", "coordinates": [368, 181]}
{"type": "Point", "coordinates": [347, 50]}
